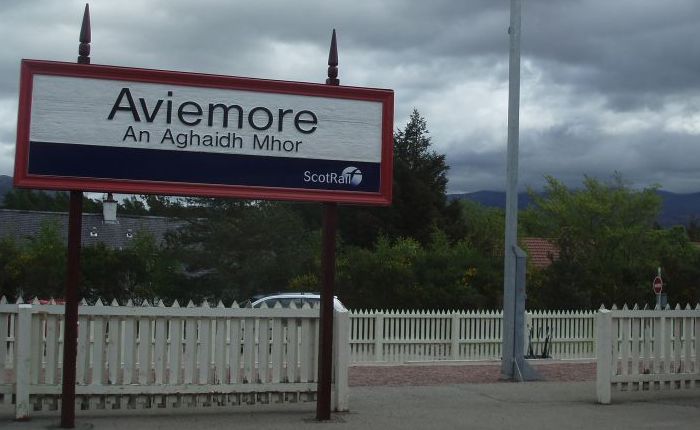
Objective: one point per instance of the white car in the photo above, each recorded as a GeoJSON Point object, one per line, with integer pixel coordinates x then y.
{"type": "Point", "coordinates": [286, 299]}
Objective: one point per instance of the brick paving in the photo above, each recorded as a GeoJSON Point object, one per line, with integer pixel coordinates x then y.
{"type": "Point", "coordinates": [455, 373]}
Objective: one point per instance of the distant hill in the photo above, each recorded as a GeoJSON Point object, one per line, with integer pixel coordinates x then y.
{"type": "Point", "coordinates": [679, 208]}
{"type": "Point", "coordinates": [495, 199]}
{"type": "Point", "coordinates": [675, 208]}
{"type": "Point", "coordinates": [5, 186]}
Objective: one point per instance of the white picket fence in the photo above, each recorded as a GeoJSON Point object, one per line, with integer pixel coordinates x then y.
{"type": "Point", "coordinates": [157, 356]}
{"type": "Point", "coordinates": [644, 350]}
{"type": "Point", "coordinates": [409, 336]}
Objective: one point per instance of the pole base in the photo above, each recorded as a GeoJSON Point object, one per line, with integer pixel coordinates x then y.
{"type": "Point", "coordinates": [522, 371]}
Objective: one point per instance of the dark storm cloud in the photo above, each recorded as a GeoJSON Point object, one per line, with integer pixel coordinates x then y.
{"type": "Point", "coordinates": [478, 170]}
{"type": "Point", "coordinates": [208, 34]}
{"type": "Point", "coordinates": [631, 50]}
{"type": "Point", "coordinates": [643, 159]}
{"type": "Point", "coordinates": [602, 79]}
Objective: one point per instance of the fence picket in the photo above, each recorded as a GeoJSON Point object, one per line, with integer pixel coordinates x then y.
{"type": "Point", "coordinates": [51, 350]}
{"type": "Point", "coordinates": [615, 335]}
{"type": "Point", "coordinates": [305, 352]}
{"type": "Point", "coordinates": [292, 350]}
{"type": "Point", "coordinates": [37, 344]}
{"type": "Point", "coordinates": [625, 345]}
{"type": "Point", "coordinates": [634, 366]}
{"type": "Point", "coordinates": [263, 349]}
{"type": "Point", "coordinates": [82, 361]}
{"type": "Point", "coordinates": [454, 332]}
{"type": "Point", "coordinates": [313, 363]}
{"type": "Point", "coordinates": [375, 330]}
{"type": "Point", "coordinates": [646, 350]}
{"type": "Point", "coordinates": [220, 351]}
{"type": "Point", "coordinates": [98, 351]}
{"type": "Point", "coordinates": [204, 350]}
{"type": "Point", "coordinates": [249, 350]}
{"type": "Point", "coordinates": [161, 350]}
{"type": "Point", "coordinates": [23, 350]}
{"type": "Point", "coordinates": [387, 338]}
{"type": "Point", "coordinates": [175, 352]}
{"type": "Point", "coordinates": [5, 336]}
{"type": "Point", "coordinates": [659, 332]}
{"type": "Point", "coordinates": [144, 350]}
{"type": "Point", "coordinates": [687, 342]}
{"type": "Point", "coordinates": [189, 356]}
{"type": "Point", "coordinates": [667, 362]}
{"type": "Point", "coordinates": [129, 350]}
{"type": "Point", "coordinates": [113, 349]}
{"type": "Point", "coordinates": [276, 353]}
{"type": "Point", "coordinates": [696, 343]}
{"type": "Point", "coordinates": [234, 351]}
{"type": "Point", "coordinates": [676, 351]}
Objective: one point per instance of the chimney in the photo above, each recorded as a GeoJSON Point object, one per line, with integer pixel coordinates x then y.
{"type": "Point", "coordinates": [109, 210]}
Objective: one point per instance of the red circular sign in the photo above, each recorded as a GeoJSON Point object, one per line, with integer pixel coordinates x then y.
{"type": "Point", "coordinates": [658, 285]}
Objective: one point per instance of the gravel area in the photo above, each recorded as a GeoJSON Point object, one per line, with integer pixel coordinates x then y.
{"type": "Point", "coordinates": [458, 373]}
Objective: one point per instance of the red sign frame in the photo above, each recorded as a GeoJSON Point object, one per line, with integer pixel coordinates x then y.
{"type": "Point", "coordinates": [23, 179]}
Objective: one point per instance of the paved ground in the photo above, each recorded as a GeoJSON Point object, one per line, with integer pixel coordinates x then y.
{"type": "Point", "coordinates": [399, 403]}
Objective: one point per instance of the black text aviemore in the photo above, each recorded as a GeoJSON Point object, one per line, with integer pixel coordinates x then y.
{"type": "Point", "coordinates": [191, 113]}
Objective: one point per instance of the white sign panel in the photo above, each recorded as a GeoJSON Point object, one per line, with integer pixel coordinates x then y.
{"type": "Point", "coordinates": [169, 117]}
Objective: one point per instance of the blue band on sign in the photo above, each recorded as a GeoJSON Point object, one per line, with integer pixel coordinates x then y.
{"type": "Point", "coordinates": [108, 162]}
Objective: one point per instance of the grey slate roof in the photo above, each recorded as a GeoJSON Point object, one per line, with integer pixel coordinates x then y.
{"type": "Point", "coordinates": [20, 225]}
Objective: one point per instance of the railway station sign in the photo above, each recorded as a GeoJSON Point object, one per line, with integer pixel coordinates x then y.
{"type": "Point", "coordinates": [115, 129]}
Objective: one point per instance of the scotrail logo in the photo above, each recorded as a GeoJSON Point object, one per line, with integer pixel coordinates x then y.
{"type": "Point", "coordinates": [349, 176]}
{"type": "Point", "coordinates": [353, 175]}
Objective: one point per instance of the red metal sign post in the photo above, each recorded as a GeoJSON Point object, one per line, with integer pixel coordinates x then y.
{"type": "Point", "coordinates": [75, 218]}
{"type": "Point", "coordinates": [330, 222]}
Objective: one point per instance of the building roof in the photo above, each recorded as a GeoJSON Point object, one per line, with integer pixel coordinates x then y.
{"type": "Point", "coordinates": [542, 252]}
{"type": "Point", "coordinates": [21, 225]}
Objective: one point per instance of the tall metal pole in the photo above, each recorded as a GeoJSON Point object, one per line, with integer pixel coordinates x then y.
{"type": "Point", "coordinates": [75, 217]}
{"type": "Point", "coordinates": [330, 223]}
{"type": "Point", "coordinates": [511, 234]}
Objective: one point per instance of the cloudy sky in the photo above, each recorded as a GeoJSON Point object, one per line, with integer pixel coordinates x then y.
{"type": "Point", "coordinates": [607, 85]}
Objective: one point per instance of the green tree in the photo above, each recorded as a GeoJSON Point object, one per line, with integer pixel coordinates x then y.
{"type": "Point", "coordinates": [608, 246]}
{"type": "Point", "coordinates": [103, 274]}
{"type": "Point", "coordinates": [693, 229]}
{"type": "Point", "coordinates": [53, 201]}
{"type": "Point", "coordinates": [141, 271]}
{"type": "Point", "coordinates": [132, 205]}
{"type": "Point", "coordinates": [484, 227]}
{"type": "Point", "coordinates": [155, 205]}
{"type": "Point", "coordinates": [40, 266]}
{"type": "Point", "coordinates": [420, 183]}
{"type": "Point", "coordinates": [680, 263]}
{"type": "Point", "coordinates": [402, 273]}
{"type": "Point", "coordinates": [238, 249]}
{"type": "Point", "coordinates": [9, 270]}
{"type": "Point", "coordinates": [175, 207]}
{"type": "Point", "coordinates": [419, 201]}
